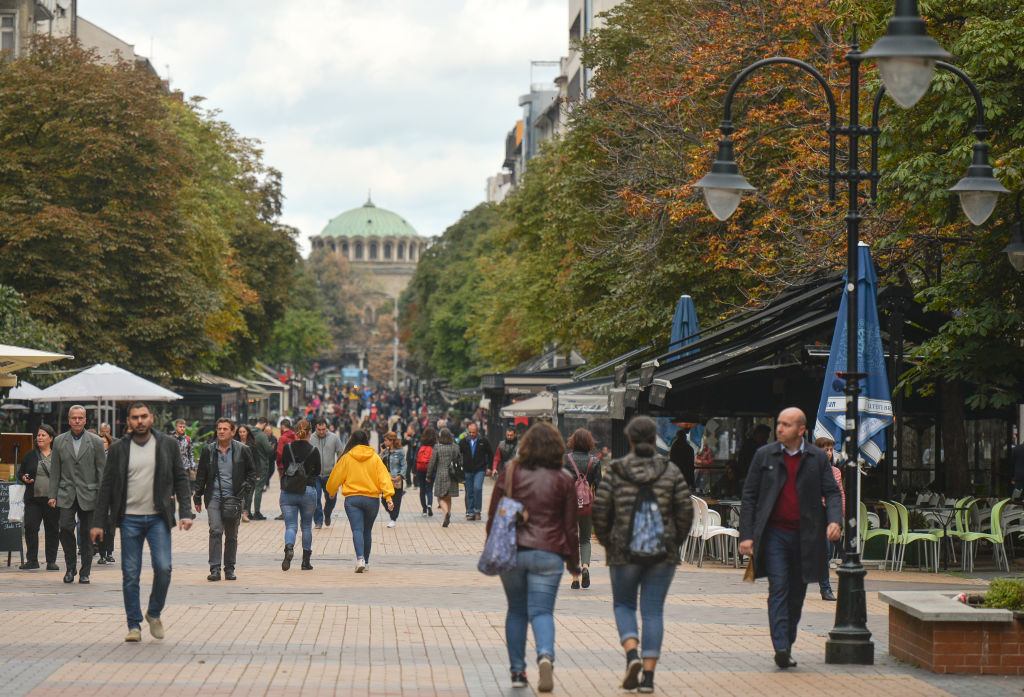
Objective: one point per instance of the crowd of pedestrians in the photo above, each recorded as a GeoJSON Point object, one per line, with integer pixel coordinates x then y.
{"type": "Point", "coordinates": [81, 488]}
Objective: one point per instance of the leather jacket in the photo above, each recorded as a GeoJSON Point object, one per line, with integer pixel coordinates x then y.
{"type": "Point", "coordinates": [549, 496]}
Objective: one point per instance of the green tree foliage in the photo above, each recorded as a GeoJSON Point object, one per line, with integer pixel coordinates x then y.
{"type": "Point", "coordinates": [139, 226]}
{"type": "Point", "coordinates": [298, 338]}
{"type": "Point", "coordinates": [443, 301]}
{"type": "Point", "coordinates": [19, 328]}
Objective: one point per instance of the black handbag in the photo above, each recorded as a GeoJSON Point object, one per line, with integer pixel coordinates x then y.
{"type": "Point", "coordinates": [231, 507]}
{"type": "Point", "coordinates": [456, 471]}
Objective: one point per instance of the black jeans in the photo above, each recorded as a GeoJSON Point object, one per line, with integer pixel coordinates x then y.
{"type": "Point", "coordinates": [38, 511]}
{"type": "Point", "coordinates": [67, 537]}
{"type": "Point", "coordinates": [397, 501]}
{"type": "Point", "coordinates": [426, 490]}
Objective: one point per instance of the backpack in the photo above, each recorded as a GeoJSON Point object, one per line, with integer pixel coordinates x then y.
{"type": "Point", "coordinates": [293, 480]}
{"type": "Point", "coordinates": [646, 529]}
{"type": "Point", "coordinates": [456, 470]}
{"type": "Point", "coordinates": [584, 494]}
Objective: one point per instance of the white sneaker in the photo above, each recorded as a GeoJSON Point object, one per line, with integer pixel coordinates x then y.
{"type": "Point", "coordinates": [391, 523]}
{"type": "Point", "coordinates": [360, 566]}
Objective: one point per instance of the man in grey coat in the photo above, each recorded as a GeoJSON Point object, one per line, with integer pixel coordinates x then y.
{"type": "Point", "coordinates": [784, 526]}
{"type": "Point", "coordinates": [76, 470]}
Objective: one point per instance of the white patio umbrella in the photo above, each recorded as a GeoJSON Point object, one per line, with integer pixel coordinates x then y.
{"type": "Point", "coordinates": [105, 384]}
{"type": "Point", "coordinates": [15, 358]}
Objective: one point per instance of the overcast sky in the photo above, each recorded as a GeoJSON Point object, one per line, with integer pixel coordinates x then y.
{"type": "Point", "coordinates": [411, 99]}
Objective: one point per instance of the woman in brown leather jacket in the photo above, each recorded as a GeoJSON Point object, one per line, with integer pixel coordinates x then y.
{"type": "Point", "coordinates": [548, 541]}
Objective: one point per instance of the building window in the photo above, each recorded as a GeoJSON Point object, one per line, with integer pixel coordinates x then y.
{"type": "Point", "coordinates": [359, 250]}
{"type": "Point", "coordinates": [373, 250]}
{"type": "Point", "coordinates": [8, 32]}
{"type": "Point", "coordinates": [412, 252]}
{"type": "Point", "coordinates": [387, 250]}
{"type": "Point", "coordinates": [344, 249]}
{"type": "Point", "coordinates": [401, 250]}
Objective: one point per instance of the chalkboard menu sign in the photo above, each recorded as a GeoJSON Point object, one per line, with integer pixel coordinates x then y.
{"type": "Point", "coordinates": [10, 533]}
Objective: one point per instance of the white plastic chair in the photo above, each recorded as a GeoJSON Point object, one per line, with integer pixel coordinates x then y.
{"type": "Point", "coordinates": [711, 531]}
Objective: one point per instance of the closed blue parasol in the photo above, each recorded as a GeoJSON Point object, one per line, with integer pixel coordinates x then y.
{"type": "Point", "coordinates": [874, 401]}
{"type": "Point", "coordinates": [685, 329]}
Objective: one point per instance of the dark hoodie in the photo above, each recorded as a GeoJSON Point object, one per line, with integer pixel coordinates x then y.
{"type": "Point", "coordinates": [613, 504]}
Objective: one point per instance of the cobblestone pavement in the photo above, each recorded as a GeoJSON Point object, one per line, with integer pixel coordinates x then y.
{"type": "Point", "coordinates": [422, 621]}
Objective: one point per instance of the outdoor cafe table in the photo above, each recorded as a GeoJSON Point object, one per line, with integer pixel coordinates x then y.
{"type": "Point", "coordinates": [729, 510]}
{"type": "Point", "coordinates": [945, 514]}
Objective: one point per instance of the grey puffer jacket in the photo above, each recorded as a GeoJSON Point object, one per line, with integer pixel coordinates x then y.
{"type": "Point", "coordinates": [613, 504]}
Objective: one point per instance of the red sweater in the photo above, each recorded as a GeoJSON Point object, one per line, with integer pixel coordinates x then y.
{"type": "Point", "coordinates": [786, 514]}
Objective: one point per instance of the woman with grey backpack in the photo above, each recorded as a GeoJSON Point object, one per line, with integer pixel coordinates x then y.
{"type": "Point", "coordinates": [641, 516]}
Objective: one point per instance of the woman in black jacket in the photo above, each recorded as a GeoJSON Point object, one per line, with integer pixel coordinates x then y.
{"type": "Point", "coordinates": [580, 462]}
{"type": "Point", "coordinates": [641, 475]}
{"type": "Point", "coordinates": [34, 473]}
{"type": "Point", "coordinates": [294, 505]}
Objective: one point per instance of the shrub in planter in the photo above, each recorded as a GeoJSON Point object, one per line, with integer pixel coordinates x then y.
{"type": "Point", "coordinates": [1005, 593]}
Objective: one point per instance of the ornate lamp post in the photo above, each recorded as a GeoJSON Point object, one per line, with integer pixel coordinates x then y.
{"type": "Point", "coordinates": [1015, 250]}
{"type": "Point", "coordinates": [907, 58]}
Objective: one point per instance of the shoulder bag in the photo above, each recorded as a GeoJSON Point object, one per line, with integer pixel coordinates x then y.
{"type": "Point", "coordinates": [499, 555]}
{"type": "Point", "coordinates": [293, 480]}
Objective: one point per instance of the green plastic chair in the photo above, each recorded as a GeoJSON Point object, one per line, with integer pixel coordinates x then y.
{"type": "Point", "coordinates": [908, 536]}
{"type": "Point", "coordinates": [890, 533]}
{"type": "Point", "coordinates": [961, 521]}
{"type": "Point", "coordinates": [995, 536]}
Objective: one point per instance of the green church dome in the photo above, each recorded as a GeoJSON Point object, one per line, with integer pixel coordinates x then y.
{"type": "Point", "coordinates": [368, 221]}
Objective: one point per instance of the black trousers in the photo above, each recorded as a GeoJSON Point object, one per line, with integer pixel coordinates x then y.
{"type": "Point", "coordinates": [67, 537]}
{"type": "Point", "coordinates": [37, 512]}
{"type": "Point", "coordinates": [397, 501]}
{"type": "Point", "coordinates": [106, 546]}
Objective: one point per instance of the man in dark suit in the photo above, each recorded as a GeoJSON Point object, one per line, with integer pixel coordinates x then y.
{"type": "Point", "coordinates": [226, 468]}
{"type": "Point", "coordinates": [141, 482]}
{"type": "Point", "coordinates": [477, 455]}
{"type": "Point", "coordinates": [76, 469]}
{"type": "Point", "coordinates": [784, 526]}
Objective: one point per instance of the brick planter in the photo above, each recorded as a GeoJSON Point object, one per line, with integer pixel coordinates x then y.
{"type": "Point", "coordinates": [930, 629]}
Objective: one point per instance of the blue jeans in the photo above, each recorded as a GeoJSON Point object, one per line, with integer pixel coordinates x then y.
{"type": "Point", "coordinates": [291, 506]}
{"type": "Point", "coordinates": [786, 587]}
{"type": "Point", "coordinates": [361, 512]}
{"type": "Point", "coordinates": [531, 589]}
{"type": "Point", "coordinates": [324, 508]}
{"type": "Point", "coordinates": [475, 491]}
{"type": "Point", "coordinates": [426, 491]}
{"type": "Point", "coordinates": [652, 583]}
{"type": "Point", "coordinates": [134, 530]}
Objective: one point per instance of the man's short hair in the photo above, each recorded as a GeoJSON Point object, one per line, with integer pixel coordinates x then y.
{"type": "Point", "coordinates": [139, 405]}
{"type": "Point", "coordinates": [320, 422]}
{"type": "Point", "coordinates": [226, 420]}
{"type": "Point", "coordinates": [824, 442]}
{"type": "Point", "coordinates": [286, 423]}
{"type": "Point", "coordinates": [76, 406]}
{"type": "Point", "coordinates": [261, 420]}
{"type": "Point", "coordinates": [180, 422]}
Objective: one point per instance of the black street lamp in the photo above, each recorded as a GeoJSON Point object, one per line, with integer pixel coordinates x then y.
{"type": "Point", "coordinates": [1015, 250]}
{"type": "Point", "coordinates": [906, 57]}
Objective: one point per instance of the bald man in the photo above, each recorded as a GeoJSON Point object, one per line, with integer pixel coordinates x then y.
{"type": "Point", "coordinates": [783, 524]}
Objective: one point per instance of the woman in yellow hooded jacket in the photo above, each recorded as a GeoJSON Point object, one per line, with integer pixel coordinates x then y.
{"type": "Point", "coordinates": [363, 479]}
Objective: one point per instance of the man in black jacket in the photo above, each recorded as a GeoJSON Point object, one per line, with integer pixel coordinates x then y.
{"type": "Point", "coordinates": [226, 468]}
{"type": "Point", "coordinates": [784, 526]}
{"type": "Point", "coordinates": [477, 455]}
{"type": "Point", "coordinates": [141, 481]}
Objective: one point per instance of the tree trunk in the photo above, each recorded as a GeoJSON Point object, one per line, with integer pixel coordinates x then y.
{"type": "Point", "coordinates": [954, 440]}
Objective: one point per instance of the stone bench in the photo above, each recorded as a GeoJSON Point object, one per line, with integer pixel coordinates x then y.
{"type": "Point", "coordinates": [934, 631]}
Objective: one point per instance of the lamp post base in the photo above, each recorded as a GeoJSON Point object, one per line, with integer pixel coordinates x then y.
{"type": "Point", "coordinates": [849, 641]}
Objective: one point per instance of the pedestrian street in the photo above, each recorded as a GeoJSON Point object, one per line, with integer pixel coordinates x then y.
{"type": "Point", "coordinates": [421, 621]}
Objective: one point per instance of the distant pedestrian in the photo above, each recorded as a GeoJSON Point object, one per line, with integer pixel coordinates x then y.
{"type": "Point", "coordinates": [329, 446]}
{"type": "Point", "coordinates": [226, 471]}
{"type": "Point", "coordinates": [76, 468]}
{"type": "Point", "coordinates": [784, 526]}
{"type": "Point", "coordinates": [426, 448]}
{"type": "Point", "coordinates": [188, 454]}
{"type": "Point", "coordinates": [547, 541]}
{"type": "Point", "coordinates": [641, 477]}
{"type": "Point", "coordinates": [245, 436]}
{"type": "Point", "coordinates": [477, 455]}
{"type": "Point", "coordinates": [262, 452]}
{"type": "Point", "coordinates": [296, 505]}
{"type": "Point", "coordinates": [361, 476]}
{"type": "Point", "coordinates": [507, 449]}
{"type": "Point", "coordinates": [445, 453]}
{"type": "Point", "coordinates": [828, 445]}
{"type": "Point", "coordinates": [580, 463]}
{"type": "Point", "coordinates": [141, 483]}
{"type": "Point", "coordinates": [34, 473]}
{"type": "Point", "coordinates": [394, 458]}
